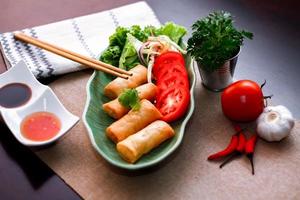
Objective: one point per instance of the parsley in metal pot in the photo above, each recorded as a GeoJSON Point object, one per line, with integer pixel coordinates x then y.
{"type": "Point", "coordinates": [130, 99]}
{"type": "Point", "coordinates": [215, 40]}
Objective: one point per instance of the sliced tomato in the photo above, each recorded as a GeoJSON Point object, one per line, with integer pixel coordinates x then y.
{"type": "Point", "coordinates": [173, 103]}
{"type": "Point", "coordinates": [172, 69]}
{"type": "Point", "coordinates": [175, 79]}
{"type": "Point", "coordinates": [169, 57]}
{"type": "Point", "coordinates": [172, 81]}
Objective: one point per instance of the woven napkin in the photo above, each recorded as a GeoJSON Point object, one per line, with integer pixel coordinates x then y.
{"type": "Point", "coordinates": [87, 35]}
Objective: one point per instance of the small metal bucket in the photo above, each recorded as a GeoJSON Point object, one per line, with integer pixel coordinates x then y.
{"type": "Point", "coordinates": [221, 77]}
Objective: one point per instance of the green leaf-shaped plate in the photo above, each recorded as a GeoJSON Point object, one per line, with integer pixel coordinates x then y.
{"type": "Point", "coordinates": [96, 121]}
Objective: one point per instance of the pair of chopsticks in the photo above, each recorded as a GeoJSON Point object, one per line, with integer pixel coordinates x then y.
{"type": "Point", "coordinates": [89, 62]}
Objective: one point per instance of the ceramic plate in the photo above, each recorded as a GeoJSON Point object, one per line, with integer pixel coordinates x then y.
{"type": "Point", "coordinates": [96, 121]}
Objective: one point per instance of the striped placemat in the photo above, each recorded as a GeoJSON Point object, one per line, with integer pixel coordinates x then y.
{"type": "Point", "coordinates": [87, 35]}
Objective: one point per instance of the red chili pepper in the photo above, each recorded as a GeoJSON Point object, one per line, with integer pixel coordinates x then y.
{"type": "Point", "coordinates": [228, 150]}
{"type": "Point", "coordinates": [240, 148]}
{"type": "Point", "coordinates": [242, 143]}
{"type": "Point", "coordinates": [249, 150]}
{"type": "Point", "coordinates": [250, 144]}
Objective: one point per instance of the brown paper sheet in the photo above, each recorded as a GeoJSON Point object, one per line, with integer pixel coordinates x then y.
{"type": "Point", "coordinates": [186, 174]}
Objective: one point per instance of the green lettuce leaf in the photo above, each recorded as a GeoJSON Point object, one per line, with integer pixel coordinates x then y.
{"type": "Point", "coordinates": [122, 53]}
{"type": "Point", "coordinates": [111, 55]}
{"type": "Point", "coordinates": [129, 57]}
{"type": "Point", "coordinates": [119, 37]}
{"type": "Point", "coordinates": [173, 31]}
{"type": "Point", "coordinates": [138, 33]}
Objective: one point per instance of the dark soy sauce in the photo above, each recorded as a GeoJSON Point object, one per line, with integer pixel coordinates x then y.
{"type": "Point", "coordinates": [14, 94]}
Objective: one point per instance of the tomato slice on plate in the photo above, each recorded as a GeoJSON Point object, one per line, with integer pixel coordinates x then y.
{"type": "Point", "coordinates": [170, 57]}
{"type": "Point", "coordinates": [175, 79]}
{"type": "Point", "coordinates": [172, 69]}
{"type": "Point", "coordinates": [172, 81]}
{"type": "Point", "coordinates": [173, 103]}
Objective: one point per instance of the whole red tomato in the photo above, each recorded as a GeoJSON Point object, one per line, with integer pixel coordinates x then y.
{"type": "Point", "coordinates": [242, 101]}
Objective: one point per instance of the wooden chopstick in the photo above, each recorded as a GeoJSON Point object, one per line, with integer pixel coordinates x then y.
{"type": "Point", "coordinates": [93, 63]}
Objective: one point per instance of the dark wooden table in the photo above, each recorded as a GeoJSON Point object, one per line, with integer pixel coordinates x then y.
{"type": "Point", "coordinates": [272, 55]}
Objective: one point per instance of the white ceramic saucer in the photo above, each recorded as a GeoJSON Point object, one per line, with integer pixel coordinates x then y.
{"type": "Point", "coordinates": [42, 99]}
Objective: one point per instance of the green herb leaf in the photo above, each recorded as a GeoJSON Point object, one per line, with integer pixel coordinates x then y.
{"type": "Point", "coordinates": [215, 40]}
{"type": "Point", "coordinates": [130, 99]}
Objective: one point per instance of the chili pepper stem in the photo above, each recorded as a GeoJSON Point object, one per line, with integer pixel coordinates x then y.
{"type": "Point", "coordinates": [235, 154]}
{"type": "Point", "coordinates": [249, 150]}
{"type": "Point", "coordinates": [250, 157]}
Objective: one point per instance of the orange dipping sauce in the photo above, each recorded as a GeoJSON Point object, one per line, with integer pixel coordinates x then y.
{"type": "Point", "coordinates": [40, 126]}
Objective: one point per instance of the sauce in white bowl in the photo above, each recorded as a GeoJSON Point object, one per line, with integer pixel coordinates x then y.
{"type": "Point", "coordinates": [14, 95]}
{"type": "Point", "coordinates": [40, 126]}
{"type": "Point", "coordinates": [34, 99]}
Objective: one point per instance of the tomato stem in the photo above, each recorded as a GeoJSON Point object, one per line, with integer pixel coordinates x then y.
{"type": "Point", "coordinates": [268, 97]}
{"type": "Point", "coordinates": [262, 85]}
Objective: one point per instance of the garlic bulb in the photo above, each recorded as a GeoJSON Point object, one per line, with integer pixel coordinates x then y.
{"type": "Point", "coordinates": [275, 123]}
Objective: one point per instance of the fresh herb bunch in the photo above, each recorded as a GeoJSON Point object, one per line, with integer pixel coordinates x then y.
{"type": "Point", "coordinates": [215, 40]}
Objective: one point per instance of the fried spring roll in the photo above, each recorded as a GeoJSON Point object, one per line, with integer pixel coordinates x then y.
{"type": "Point", "coordinates": [136, 145]}
{"type": "Point", "coordinates": [132, 122]}
{"type": "Point", "coordinates": [116, 87]}
{"type": "Point", "coordinates": [116, 110]}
